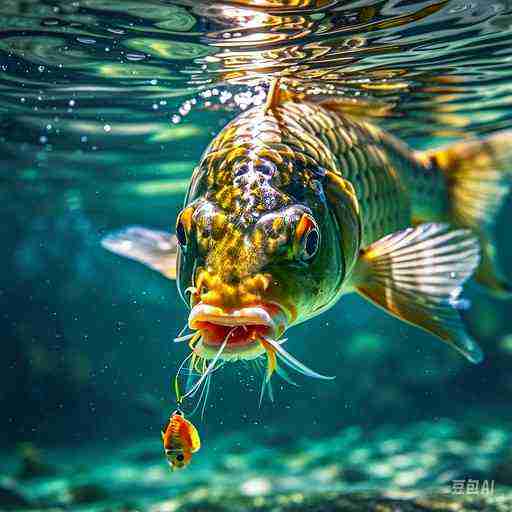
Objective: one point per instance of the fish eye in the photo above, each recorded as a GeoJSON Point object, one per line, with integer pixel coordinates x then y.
{"type": "Point", "coordinates": [180, 457]}
{"type": "Point", "coordinates": [183, 226]}
{"type": "Point", "coordinates": [181, 235]}
{"type": "Point", "coordinates": [311, 244]}
{"type": "Point", "coordinates": [307, 238]}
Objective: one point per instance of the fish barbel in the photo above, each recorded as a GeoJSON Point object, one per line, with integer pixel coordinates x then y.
{"type": "Point", "coordinates": [298, 202]}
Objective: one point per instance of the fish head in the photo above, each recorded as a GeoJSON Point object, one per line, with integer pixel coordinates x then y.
{"type": "Point", "coordinates": [178, 458]}
{"type": "Point", "coordinates": [254, 262]}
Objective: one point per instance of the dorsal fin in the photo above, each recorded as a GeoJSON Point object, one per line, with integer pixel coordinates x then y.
{"type": "Point", "coordinates": [277, 95]}
{"type": "Point", "coordinates": [357, 107]}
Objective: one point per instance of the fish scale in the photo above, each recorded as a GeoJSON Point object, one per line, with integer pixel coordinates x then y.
{"type": "Point", "coordinates": [384, 202]}
{"type": "Point", "coordinates": [392, 185]}
{"type": "Point", "coordinates": [337, 142]}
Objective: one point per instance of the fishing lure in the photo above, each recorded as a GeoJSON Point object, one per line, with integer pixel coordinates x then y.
{"type": "Point", "coordinates": [180, 439]}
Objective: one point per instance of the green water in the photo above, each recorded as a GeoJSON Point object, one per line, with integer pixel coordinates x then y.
{"type": "Point", "coordinates": [96, 134]}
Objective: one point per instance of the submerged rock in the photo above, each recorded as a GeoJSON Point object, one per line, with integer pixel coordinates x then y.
{"type": "Point", "coordinates": [87, 493]}
{"type": "Point", "coordinates": [11, 497]}
{"type": "Point", "coordinates": [32, 464]}
{"type": "Point", "coordinates": [503, 471]}
{"type": "Point", "coordinates": [342, 502]}
{"type": "Point", "coordinates": [418, 468]}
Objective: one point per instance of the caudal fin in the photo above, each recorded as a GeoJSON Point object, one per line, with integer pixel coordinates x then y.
{"type": "Point", "coordinates": [479, 174]}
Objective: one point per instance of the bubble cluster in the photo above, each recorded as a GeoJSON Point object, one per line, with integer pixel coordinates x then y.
{"type": "Point", "coordinates": [222, 98]}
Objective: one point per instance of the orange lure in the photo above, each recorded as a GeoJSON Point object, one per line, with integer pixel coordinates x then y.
{"type": "Point", "coordinates": [180, 439]}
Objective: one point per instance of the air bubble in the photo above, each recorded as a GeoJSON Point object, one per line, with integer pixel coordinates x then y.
{"type": "Point", "coordinates": [225, 96]}
{"type": "Point", "coordinates": [86, 40]}
{"type": "Point", "coordinates": [135, 56]}
{"type": "Point", "coordinates": [116, 30]}
{"type": "Point", "coordinates": [50, 22]}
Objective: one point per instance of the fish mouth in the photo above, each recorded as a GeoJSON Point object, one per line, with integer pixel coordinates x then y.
{"type": "Point", "coordinates": [241, 329]}
{"type": "Point", "coordinates": [222, 334]}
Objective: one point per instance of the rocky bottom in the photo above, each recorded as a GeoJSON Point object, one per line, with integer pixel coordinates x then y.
{"type": "Point", "coordinates": [440, 466]}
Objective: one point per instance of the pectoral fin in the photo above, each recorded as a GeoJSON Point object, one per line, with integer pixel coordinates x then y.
{"type": "Point", "coordinates": [417, 275]}
{"type": "Point", "coordinates": [156, 249]}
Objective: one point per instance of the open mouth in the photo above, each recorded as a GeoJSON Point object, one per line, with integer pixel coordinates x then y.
{"type": "Point", "coordinates": [241, 329]}
{"type": "Point", "coordinates": [239, 333]}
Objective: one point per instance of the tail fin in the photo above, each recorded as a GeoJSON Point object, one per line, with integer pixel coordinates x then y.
{"type": "Point", "coordinates": [479, 174]}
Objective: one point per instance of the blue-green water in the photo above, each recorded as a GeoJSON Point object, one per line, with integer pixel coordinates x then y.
{"type": "Point", "coordinates": [96, 134]}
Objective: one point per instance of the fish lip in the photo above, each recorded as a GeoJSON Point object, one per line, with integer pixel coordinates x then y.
{"type": "Point", "coordinates": [263, 315]}
{"type": "Point", "coordinates": [255, 315]}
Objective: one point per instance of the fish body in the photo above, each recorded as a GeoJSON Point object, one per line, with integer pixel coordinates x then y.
{"type": "Point", "coordinates": [265, 161]}
{"type": "Point", "coordinates": [295, 203]}
{"type": "Point", "coordinates": [180, 439]}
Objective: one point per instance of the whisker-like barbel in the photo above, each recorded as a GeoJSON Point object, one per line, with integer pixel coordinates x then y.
{"type": "Point", "coordinates": [187, 337]}
{"type": "Point", "coordinates": [293, 362]}
{"type": "Point", "coordinates": [208, 370]}
{"type": "Point", "coordinates": [185, 327]}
